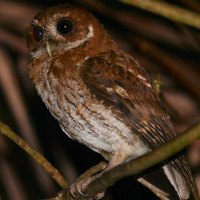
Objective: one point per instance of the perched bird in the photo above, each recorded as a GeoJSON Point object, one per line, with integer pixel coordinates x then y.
{"type": "Point", "coordinates": [101, 96]}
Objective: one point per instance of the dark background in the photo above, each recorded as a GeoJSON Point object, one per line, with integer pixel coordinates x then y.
{"type": "Point", "coordinates": [160, 45]}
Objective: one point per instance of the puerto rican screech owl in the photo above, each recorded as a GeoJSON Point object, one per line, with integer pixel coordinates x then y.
{"type": "Point", "coordinates": [101, 96]}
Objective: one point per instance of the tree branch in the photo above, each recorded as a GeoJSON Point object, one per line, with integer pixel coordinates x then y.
{"type": "Point", "coordinates": [54, 173]}
{"type": "Point", "coordinates": [108, 178]}
{"type": "Point", "coordinates": [167, 10]}
{"type": "Point", "coordinates": [141, 164]}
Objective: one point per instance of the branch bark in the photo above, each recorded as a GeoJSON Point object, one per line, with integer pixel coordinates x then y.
{"type": "Point", "coordinates": [141, 164]}
{"type": "Point", "coordinates": [108, 178]}
{"type": "Point", "coordinates": [167, 10]}
{"type": "Point", "coordinates": [54, 173]}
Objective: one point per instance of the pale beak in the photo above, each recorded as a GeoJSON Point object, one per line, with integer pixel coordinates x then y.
{"type": "Point", "coordinates": [49, 48]}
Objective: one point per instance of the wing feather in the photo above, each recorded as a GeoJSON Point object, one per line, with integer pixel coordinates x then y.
{"type": "Point", "coordinates": [121, 84]}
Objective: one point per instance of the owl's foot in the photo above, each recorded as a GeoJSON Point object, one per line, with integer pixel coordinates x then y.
{"type": "Point", "coordinates": [77, 189]}
{"type": "Point", "coordinates": [93, 170]}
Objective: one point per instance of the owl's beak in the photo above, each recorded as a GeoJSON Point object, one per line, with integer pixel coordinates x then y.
{"type": "Point", "coordinates": [49, 48]}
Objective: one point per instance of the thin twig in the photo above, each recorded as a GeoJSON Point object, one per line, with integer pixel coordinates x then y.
{"type": "Point", "coordinates": [13, 94]}
{"type": "Point", "coordinates": [55, 174]}
{"type": "Point", "coordinates": [139, 165]}
{"type": "Point", "coordinates": [167, 10]}
{"type": "Point", "coordinates": [107, 179]}
{"type": "Point", "coordinates": [12, 185]}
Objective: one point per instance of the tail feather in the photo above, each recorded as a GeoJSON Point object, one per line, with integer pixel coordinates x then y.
{"type": "Point", "coordinates": [167, 183]}
{"type": "Point", "coordinates": [177, 181]}
{"type": "Point", "coordinates": [183, 168]}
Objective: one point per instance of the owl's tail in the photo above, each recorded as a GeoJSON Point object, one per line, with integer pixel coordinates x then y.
{"type": "Point", "coordinates": [177, 181]}
{"type": "Point", "coordinates": [166, 183]}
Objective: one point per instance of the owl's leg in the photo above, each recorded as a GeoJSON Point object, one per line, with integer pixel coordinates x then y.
{"type": "Point", "coordinates": [82, 182]}
{"type": "Point", "coordinates": [118, 158]}
{"type": "Point", "coordinates": [77, 189]}
{"type": "Point", "coordinates": [93, 170]}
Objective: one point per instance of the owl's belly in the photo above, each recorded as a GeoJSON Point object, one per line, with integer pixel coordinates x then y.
{"type": "Point", "coordinates": [88, 121]}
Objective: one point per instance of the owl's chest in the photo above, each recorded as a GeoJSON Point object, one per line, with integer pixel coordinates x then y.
{"type": "Point", "coordinates": [82, 117]}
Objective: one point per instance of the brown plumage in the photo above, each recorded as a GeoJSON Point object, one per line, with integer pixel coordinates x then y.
{"type": "Point", "coordinates": [100, 95]}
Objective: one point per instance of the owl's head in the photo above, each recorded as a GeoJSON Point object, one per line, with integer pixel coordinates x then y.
{"type": "Point", "coordinates": [61, 28]}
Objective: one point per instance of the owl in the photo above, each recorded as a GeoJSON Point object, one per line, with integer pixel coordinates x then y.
{"type": "Point", "coordinates": [101, 96]}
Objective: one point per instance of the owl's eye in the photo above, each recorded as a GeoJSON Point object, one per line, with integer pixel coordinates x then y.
{"type": "Point", "coordinates": [64, 26]}
{"type": "Point", "coordinates": [37, 33]}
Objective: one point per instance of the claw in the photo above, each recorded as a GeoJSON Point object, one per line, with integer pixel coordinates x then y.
{"type": "Point", "coordinates": [79, 190]}
{"type": "Point", "coordinates": [72, 191]}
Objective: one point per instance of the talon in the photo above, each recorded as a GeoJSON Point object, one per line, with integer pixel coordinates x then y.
{"type": "Point", "coordinates": [80, 192]}
{"type": "Point", "coordinates": [77, 189]}
{"type": "Point", "coordinates": [80, 186]}
{"type": "Point", "coordinates": [72, 191]}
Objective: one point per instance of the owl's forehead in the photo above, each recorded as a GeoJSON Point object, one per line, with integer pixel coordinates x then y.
{"type": "Point", "coordinates": [53, 14]}
{"type": "Point", "coordinates": [44, 20]}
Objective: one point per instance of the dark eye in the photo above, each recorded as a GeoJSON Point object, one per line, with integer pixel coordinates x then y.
{"type": "Point", "coordinates": [37, 33]}
{"type": "Point", "coordinates": [64, 26]}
